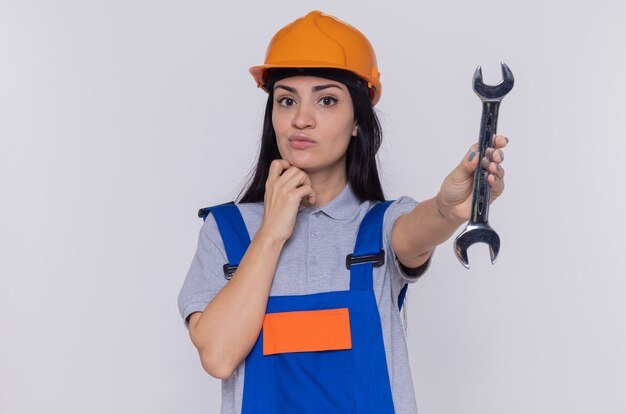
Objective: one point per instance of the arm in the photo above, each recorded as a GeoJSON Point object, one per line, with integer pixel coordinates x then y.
{"type": "Point", "coordinates": [225, 332]}
{"type": "Point", "coordinates": [433, 221]}
{"type": "Point", "coordinates": [415, 235]}
{"type": "Point", "coordinates": [227, 329]}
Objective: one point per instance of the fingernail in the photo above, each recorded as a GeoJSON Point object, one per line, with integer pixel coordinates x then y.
{"type": "Point", "coordinates": [498, 167]}
{"type": "Point", "coordinates": [507, 140]}
{"type": "Point", "coordinates": [472, 155]}
{"type": "Point", "coordinates": [501, 156]}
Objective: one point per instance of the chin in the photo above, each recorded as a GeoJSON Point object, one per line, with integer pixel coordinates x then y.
{"type": "Point", "coordinates": [304, 166]}
{"type": "Point", "coordinates": [304, 163]}
{"type": "Point", "coordinates": [307, 161]}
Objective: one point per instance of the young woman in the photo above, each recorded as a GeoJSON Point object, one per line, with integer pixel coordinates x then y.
{"type": "Point", "coordinates": [293, 298]}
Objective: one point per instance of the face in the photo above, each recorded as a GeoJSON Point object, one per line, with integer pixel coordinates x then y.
{"type": "Point", "coordinates": [314, 122]}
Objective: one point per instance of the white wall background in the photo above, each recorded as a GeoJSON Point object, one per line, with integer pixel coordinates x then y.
{"type": "Point", "coordinates": [120, 119]}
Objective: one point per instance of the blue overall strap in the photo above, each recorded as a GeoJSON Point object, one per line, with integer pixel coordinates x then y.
{"type": "Point", "coordinates": [368, 248]}
{"type": "Point", "coordinates": [402, 295]}
{"type": "Point", "coordinates": [233, 231]}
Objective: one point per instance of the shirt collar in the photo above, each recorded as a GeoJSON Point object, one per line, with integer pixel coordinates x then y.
{"type": "Point", "coordinates": [341, 207]}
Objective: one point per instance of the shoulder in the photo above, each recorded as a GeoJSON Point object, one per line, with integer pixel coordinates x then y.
{"type": "Point", "coordinates": [400, 206]}
{"type": "Point", "coordinates": [252, 214]}
{"type": "Point", "coordinates": [251, 211]}
{"type": "Point", "coordinates": [403, 202]}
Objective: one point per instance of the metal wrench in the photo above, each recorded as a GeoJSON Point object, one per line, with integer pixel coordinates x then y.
{"type": "Point", "coordinates": [478, 229]}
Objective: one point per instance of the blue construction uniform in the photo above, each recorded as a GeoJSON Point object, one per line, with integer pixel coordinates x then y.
{"type": "Point", "coordinates": [354, 379]}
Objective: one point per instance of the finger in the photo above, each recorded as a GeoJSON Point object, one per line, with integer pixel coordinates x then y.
{"type": "Point", "coordinates": [470, 161]}
{"type": "Point", "coordinates": [500, 141]}
{"type": "Point", "coordinates": [485, 164]}
{"type": "Point", "coordinates": [497, 185]}
{"type": "Point", "coordinates": [277, 167]}
{"type": "Point", "coordinates": [495, 155]}
{"type": "Point", "coordinates": [464, 172]}
{"type": "Point", "coordinates": [496, 169]}
{"type": "Point", "coordinates": [306, 191]}
{"type": "Point", "coordinates": [498, 156]}
{"type": "Point", "coordinates": [297, 179]}
{"type": "Point", "coordinates": [287, 175]}
{"type": "Point", "coordinates": [292, 177]}
{"type": "Point", "coordinates": [492, 167]}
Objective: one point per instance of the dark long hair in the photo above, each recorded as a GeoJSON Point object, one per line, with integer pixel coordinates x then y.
{"type": "Point", "coordinates": [361, 169]}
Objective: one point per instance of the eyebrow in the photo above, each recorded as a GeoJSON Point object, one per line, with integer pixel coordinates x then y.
{"type": "Point", "coordinates": [315, 88]}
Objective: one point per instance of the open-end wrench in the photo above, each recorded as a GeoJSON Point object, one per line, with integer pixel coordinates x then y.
{"type": "Point", "coordinates": [478, 229]}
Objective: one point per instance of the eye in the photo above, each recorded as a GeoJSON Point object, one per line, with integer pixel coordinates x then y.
{"type": "Point", "coordinates": [328, 101]}
{"type": "Point", "coordinates": [286, 101]}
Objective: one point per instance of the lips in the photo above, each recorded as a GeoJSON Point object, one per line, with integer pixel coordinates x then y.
{"type": "Point", "coordinates": [300, 138]}
{"type": "Point", "coordinates": [301, 142]}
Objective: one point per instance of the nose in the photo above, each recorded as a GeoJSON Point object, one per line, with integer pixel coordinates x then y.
{"type": "Point", "coordinates": [304, 117]}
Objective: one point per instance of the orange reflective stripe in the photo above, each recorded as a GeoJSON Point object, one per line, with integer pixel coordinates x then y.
{"type": "Point", "coordinates": [306, 331]}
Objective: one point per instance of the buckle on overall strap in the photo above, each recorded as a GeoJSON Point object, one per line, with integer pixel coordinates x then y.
{"type": "Point", "coordinates": [229, 271]}
{"type": "Point", "coordinates": [203, 212]}
{"type": "Point", "coordinates": [377, 259]}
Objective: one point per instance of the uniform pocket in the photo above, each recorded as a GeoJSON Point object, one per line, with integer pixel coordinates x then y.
{"type": "Point", "coordinates": [306, 331]}
{"type": "Point", "coordinates": [311, 361]}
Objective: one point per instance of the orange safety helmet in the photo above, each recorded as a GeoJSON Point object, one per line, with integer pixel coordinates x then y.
{"type": "Point", "coordinates": [318, 40]}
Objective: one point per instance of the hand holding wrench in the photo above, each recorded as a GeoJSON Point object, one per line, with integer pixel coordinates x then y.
{"type": "Point", "coordinates": [478, 229]}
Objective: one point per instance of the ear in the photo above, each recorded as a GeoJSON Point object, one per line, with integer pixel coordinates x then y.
{"type": "Point", "coordinates": [355, 131]}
